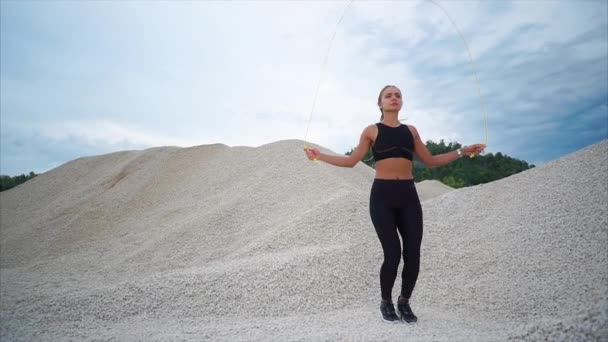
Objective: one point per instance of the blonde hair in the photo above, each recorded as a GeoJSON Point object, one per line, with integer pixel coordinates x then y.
{"type": "Point", "coordinates": [380, 99]}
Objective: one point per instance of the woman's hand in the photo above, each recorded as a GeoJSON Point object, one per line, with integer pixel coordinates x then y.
{"type": "Point", "coordinates": [312, 153]}
{"type": "Point", "coordinates": [473, 149]}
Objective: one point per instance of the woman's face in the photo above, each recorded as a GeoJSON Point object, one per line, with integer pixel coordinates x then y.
{"type": "Point", "coordinates": [390, 100]}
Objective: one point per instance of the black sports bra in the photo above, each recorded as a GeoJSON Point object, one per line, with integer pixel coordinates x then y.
{"type": "Point", "coordinates": [393, 142]}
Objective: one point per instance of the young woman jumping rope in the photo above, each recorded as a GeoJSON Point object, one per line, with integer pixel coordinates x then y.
{"type": "Point", "coordinates": [394, 204]}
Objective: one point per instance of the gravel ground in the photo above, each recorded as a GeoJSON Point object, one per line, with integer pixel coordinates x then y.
{"type": "Point", "coordinates": [239, 244]}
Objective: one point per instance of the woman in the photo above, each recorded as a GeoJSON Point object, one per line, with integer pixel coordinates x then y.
{"type": "Point", "coordinates": [394, 204]}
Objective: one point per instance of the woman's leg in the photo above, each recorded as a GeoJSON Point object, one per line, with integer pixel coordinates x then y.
{"type": "Point", "coordinates": [409, 223]}
{"type": "Point", "coordinates": [383, 218]}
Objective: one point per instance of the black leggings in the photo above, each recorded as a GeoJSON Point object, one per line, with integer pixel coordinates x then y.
{"type": "Point", "coordinates": [394, 206]}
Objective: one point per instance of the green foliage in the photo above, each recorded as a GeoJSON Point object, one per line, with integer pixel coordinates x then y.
{"type": "Point", "coordinates": [453, 181]}
{"type": "Point", "coordinates": [464, 171]}
{"type": "Point", "coordinates": [367, 159]}
{"type": "Point", "coordinates": [7, 182]}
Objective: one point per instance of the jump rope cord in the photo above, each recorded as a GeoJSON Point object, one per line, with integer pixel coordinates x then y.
{"type": "Point", "coordinates": [485, 116]}
{"type": "Point", "coordinates": [459, 33]}
{"type": "Point", "coordinates": [331, 43]}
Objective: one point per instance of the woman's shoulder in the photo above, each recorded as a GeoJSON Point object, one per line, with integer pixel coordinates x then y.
{"type": "Point", "coordinates": [412, 130]}
{"type": "Point", "coordinates": [373, 126]}
{"type": "Point", "coordinates": [371, 131]}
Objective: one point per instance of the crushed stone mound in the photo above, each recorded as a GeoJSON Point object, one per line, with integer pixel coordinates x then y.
{"type": "Point", "coordinates": [240, 243]}
{"type": "Point", "coordinates": [428, 189]}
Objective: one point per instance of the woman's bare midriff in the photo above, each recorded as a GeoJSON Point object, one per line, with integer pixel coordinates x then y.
{"type": "Point", "coordinates": [394, 168]}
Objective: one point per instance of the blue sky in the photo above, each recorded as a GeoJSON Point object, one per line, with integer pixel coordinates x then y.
{"type": "Point", "coordinates": [82, 78]}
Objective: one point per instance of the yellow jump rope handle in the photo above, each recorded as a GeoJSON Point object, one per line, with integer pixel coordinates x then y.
{"type": "Point", "coordinates": [473, 154]}
{"type": "Point", "coordinates": [314, 159]}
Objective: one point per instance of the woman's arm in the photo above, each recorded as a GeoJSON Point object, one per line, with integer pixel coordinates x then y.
{"type": "Point", "coordinates": [432, 161]}
{"type": "Point", "coordinates": [344, 161]}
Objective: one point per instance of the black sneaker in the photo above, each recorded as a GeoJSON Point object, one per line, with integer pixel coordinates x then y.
{"type": "Point", "coordinates": [406, 313]}
{"type": "Point", "coordinates": [388, 312]}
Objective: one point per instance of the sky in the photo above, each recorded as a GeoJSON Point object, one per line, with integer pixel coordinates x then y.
{"type": "Point", "coordinates": [84, 78]}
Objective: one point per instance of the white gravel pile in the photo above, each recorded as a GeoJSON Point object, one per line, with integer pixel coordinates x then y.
{"type": "Point", "coordinates": [428, 189]}
{"type": "Point", "coordinates": [238, 244]}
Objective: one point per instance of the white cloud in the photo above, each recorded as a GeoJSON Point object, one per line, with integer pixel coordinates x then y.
{"type": "Point", "coordinates": [104, 132]}
{"type": "Point", "coordinates": [245, 72]}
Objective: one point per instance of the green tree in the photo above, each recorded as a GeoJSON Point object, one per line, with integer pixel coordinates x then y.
{"type": "Point", "coordinates": [8, 182]}
{"type": "Point", "coordinates": [367, 159]}
{"type": "Point", "coordinates": [452, 181]}
{"type": "Point", "coordinates": [465, 171]}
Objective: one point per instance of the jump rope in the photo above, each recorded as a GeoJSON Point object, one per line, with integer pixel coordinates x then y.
{"type": "Point", "coordinates": [327, 57]}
